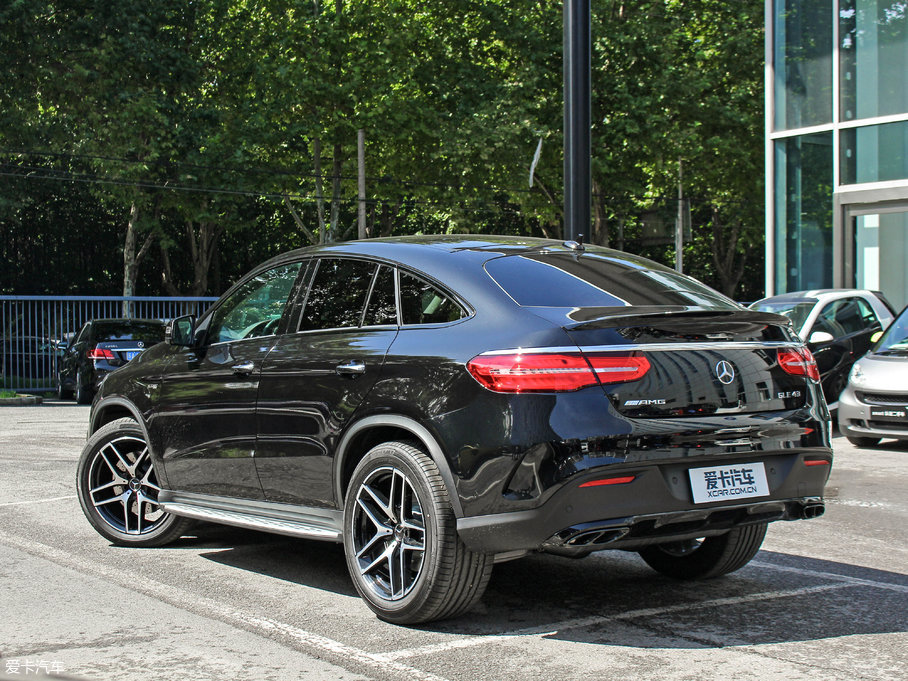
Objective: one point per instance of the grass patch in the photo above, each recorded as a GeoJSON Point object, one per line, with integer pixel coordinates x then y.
{"type": "Point", "coordinates": [7, 393]}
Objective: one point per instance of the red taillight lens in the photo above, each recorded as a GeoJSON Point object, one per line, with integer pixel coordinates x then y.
{"type": "Point", "coordinates": [552, 372]}
{"type": "Point", "coordinates": [799, 362]}
{"type": "Point", "coordinates": [100, 353]}
{"type": "Point", "coordinates": [519, 373]}
{"type": "Point", "coordinates": [622, 480]}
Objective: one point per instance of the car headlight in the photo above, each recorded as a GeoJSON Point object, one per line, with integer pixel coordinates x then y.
{"type": "Point", "coordinates": [856, 377]}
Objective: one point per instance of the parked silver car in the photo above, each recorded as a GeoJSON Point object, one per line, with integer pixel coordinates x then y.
{"type": "Point", "coordinates": [874, 404]}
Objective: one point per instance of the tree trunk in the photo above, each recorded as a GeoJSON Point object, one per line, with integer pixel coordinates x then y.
{"type": "Point", "coordinates": [600, 221]}
{"type": "Point", "coordinates": [319, 192]}
{"type": "Point", "coordinates": [335, 194]}
{"type": "Point", "coordinates": [130, 265]}
{"type": "Point", "coordinates": [728, 261]}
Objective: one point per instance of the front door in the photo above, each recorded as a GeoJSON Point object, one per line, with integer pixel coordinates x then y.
{"type": "Point", "coordinates": [206, 422]}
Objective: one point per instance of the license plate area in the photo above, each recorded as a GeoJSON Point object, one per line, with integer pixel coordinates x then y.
{"type": "Point", "coordinates": [889, 414]}
{"type": "Point", "coordinates": [727, 483]}
{"type": "Point", "coordinates": [132, 354]}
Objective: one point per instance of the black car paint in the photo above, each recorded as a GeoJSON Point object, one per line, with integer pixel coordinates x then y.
{"type": "Point", "coordinates": [504, 455]}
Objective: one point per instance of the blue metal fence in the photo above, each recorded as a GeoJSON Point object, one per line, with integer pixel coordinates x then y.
{"type": "Point", "coordinates": [35, 329]}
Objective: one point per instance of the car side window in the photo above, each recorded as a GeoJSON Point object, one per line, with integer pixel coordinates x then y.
{"type": "Point", "coordinates": [868, 316]}
{"type": "Point", "coordinates": [338, 294]}
{"type": "Point", "coordinates": [826, 322]}
{"type": "Point", "coordinates": [848, 315]}
{"type": "Point", "coordinates": [422, 303]}
{"type": "Point", "coordinates": [382, 308]}
{"type": "Point", "coordinates": [255, 308]}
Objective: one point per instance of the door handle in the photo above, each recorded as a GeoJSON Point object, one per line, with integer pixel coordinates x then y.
{"type": "Point", "coordinates": [353, 368]}
{"type": "Point", "coordinates": [244, 368]}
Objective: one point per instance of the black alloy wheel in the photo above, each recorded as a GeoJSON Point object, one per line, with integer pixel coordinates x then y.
{"type": "Point", "coordinates": [63, 393]}
{"type": "Point", "coordinates": [83, 394]}
{"type": "Point", "coordinates": [403, 552]}
{"type": "Point", "coordinates": [118, 488]}
{"type": "Point", "coordinates": [708, 556]}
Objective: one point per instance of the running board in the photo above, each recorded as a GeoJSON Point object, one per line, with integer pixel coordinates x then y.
{"type": "Point", "coordinates": [267, 516]}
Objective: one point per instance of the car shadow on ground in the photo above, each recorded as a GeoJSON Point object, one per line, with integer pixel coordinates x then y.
{"type": "Point", "coordinates": [613, 598]}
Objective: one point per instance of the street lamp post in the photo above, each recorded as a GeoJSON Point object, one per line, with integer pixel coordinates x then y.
{"type": "Point", "coordinates": [577, 185]}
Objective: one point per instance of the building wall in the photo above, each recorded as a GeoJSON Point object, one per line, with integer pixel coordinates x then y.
{"type": "Point", "coordinates": [837, 145]}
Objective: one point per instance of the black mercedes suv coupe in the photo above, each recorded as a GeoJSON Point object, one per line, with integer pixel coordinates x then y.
{"type": "Point", "coordinates": [440, 404]}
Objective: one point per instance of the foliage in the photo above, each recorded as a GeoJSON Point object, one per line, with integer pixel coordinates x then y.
{"type": "Point", "coordinates": [200, 138]}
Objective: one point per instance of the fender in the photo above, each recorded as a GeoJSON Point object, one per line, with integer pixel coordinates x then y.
{"type": "Point", "coordinates": [417, 430]}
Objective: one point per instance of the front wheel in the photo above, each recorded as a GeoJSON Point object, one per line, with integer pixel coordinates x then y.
{"type": "Point", "coordinates": [118, 488]}
{"type": "Point", "coordinates": [706, 557]}
{"type": "Point", "coordinates": [400, 536]}
{"type": "Point", "coordinates": [863, 441]}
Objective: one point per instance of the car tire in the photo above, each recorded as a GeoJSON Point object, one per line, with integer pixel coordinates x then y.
{"type": "Point", "coordinates": [400, 537]}
{"type": "Point", "coordinates": [707, 557]}
{"type": "Point", "coordinates": [863, 441]}
{"type": "Point", "coordinates": [83, 394]}
{"type": "Point", "coordinates": [62, 392]}
{"type": "Point", "coordinates": [118, 488]}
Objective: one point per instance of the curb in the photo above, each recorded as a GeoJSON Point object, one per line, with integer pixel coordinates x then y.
{"type": "Point", "coordinates": [20, 401]}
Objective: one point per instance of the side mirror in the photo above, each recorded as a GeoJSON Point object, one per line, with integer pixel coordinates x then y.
{"type": "Point", "coordinates": [181, 331]}
{"type": "Point", "coordinates": [818, 337]}
{"type": "Point", "coordinates": [875, 337]}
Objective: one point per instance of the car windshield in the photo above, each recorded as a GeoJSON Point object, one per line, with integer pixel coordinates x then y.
{"type": "Point", "coordinates": [895, 340]}
{"type": "Point", "coordinates": [598, 280]}
{"type": "Point", "coordinates": [796, 310]}
{"type": "Point", "coordinates": [146, 331]}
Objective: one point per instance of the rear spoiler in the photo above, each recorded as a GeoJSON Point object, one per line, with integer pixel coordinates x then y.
{"type": "Point", "coordinates": [678, 317]}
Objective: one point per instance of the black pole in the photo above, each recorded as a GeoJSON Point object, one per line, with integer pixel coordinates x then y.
{"type": "Point", "coordinates": [577, 186]}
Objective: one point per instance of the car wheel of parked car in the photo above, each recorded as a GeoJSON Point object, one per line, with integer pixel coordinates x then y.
{"type": "Point", "coordinates": [863, 441]}
{"type": "Point", "coordinates": [62, 392]}
{"type": "Point", "coordinates": [118, 488]}
{"type": "Point", "coordinates": [706, 557]}
{"type": "Point", "coordinates": [83, 394]}
{"type": "Point", "coordinates": [400, 534]}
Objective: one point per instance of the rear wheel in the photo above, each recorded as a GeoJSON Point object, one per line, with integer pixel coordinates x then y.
{"type": "Point", "coordinates": [400, 535]}
{"type": "Point", "coordinates": [118, 488]}
{"type": "Point", "coordinates": [706, 557]}
{"type": "Point", "coordinates": [83, 394]}
{"type": "Point", "coordinates": [63, 393]}
{"type": "Point", "coordinates": [863, 441]}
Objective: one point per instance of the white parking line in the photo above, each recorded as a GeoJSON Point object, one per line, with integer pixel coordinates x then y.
{"type": "Point", "coordinates": [549, 629]}
{"type": "Point", "coordinates": [37, 501]}
{"type": "Point", "coordinates": [857, 581]}
{"type": "Point", "coordinates": [211, 608]}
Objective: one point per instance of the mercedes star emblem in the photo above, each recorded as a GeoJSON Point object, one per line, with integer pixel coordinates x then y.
{"type": "Point", "coordinates": [725, 372]}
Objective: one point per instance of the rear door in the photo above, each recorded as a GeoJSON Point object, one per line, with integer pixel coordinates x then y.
{"type": "Point", "coordinates": [317, 376]}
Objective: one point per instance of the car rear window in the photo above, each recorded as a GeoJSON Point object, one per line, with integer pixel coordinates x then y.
{"type": "Point", "coordinates": [144, 331]}
{"type": "Point", "coordinates": [598, 280]}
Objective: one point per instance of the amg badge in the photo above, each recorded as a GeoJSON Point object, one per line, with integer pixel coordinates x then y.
{"type": "Point", "coordinates": [642, 403]}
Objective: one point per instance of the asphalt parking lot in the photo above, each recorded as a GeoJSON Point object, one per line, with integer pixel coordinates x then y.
{"type": "Point", "coordinates": [824, 599]}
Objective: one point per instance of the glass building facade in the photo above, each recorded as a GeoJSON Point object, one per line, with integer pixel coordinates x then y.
{"type": "Point", "coordinates": [837, 145]}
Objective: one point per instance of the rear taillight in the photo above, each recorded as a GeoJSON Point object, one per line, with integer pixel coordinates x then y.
{"type": "Point", "coordinates": [100, 353]}
{"type": "Point", "coordinates": [553, 372]}
{"type": "Point", "coordinates": [799, 362]}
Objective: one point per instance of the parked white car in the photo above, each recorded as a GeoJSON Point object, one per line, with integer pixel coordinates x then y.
{"type": "Point", "coordinates": [836, 324]}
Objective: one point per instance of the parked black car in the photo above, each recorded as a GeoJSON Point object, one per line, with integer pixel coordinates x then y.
{"type": "Point", "coordinates": [101, 346]}
{"type": "Point", "coordinates": [439, 404]}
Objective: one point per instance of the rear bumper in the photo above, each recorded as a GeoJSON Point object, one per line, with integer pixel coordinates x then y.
{"type": "Point", "coordinates": [657, 506]}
